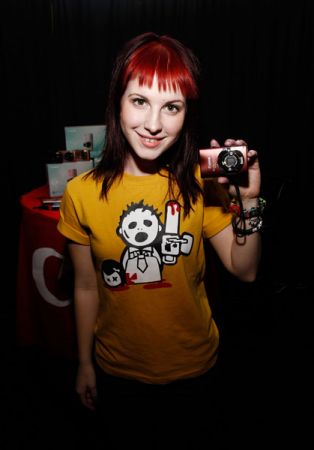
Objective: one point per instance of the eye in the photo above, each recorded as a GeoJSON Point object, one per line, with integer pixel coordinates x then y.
{"type": "Point", "coordinates": [148, 223]}
{"type": "Point", "coordinates": [172, 108]}
{"type": "Point", "coordinates": [132, 225]}
{"type": "Point", "coordinates": [138, 101]}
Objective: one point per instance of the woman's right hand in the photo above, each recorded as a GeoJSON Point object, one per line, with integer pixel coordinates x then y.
{"type": "Point", "coordinates": [86, 385]}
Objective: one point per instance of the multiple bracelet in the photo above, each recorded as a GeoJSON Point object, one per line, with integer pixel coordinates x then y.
{"type": "Point", "coordinates": [253, 215]}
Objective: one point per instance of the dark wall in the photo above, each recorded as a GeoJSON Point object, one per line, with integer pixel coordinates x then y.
{"type": "Point", "coordinates": [257, 60]}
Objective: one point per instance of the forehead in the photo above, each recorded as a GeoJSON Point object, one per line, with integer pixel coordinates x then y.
{"type": "Point", "coordinates": [134, 87]}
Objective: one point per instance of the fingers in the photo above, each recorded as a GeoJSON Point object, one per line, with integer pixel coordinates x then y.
{"type": "Point", "coordinates": [228, 142]}
{"type": "Point", "coordinates": [252, 157]}
{"type": "Point", "coordinates": [252, 153]}
{"type": "Point", "coordinates": [223, 180]}
{"type": "Point", "coordinates": [214, 143]}
{"type": "Point", "coordinates": [86, 385]}
{"type": "Point", "coordinates": [88, 398]}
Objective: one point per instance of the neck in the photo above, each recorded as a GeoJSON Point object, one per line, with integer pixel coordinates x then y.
{"type": "Point", "coordinates": [139, 167]}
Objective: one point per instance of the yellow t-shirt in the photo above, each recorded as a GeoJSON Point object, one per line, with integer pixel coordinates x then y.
{"type": "Point", "coordinates": [154, 323]}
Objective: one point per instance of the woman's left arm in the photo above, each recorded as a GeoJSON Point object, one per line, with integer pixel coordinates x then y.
{"type": "Point", "coordinates": [241, 255]}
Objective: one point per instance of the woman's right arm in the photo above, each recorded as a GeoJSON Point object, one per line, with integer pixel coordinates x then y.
{"type": "Point", "coordinates": [86, 302]}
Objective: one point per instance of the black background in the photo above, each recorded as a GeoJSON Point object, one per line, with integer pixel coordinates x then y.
{"type": "Point", "coordinates": [257, 84]}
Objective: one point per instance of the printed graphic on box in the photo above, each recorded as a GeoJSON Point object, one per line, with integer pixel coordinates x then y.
{"type": "Point", "coordinates": [91, 137]}
{"type": "Point", "coordinates": [60, 174]}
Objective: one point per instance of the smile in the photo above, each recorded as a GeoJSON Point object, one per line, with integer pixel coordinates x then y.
{"type": "Point", "coordinates": [150, 142]}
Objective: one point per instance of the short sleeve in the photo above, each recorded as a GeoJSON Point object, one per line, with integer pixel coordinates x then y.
{"type": "Point", "coordinates": [215, 220]}
{"type": "Point", "coordinates": [69, 224]}
{"type": "Point", "coordinates": [216, 206]}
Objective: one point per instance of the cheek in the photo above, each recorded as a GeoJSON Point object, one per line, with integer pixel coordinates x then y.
{"type": "Point", "coordinates": [128, 117]}
{"type": "Point", "coordinates": [175, 126]}
{"type": "Point", "coordinates": [123, 119]}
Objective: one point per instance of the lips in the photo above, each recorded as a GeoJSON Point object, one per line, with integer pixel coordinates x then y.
{"type": "Point", "coordinates": [150, 142]}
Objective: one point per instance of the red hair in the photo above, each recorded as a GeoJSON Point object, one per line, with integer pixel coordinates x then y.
{"type": "Point", "coordinates": [161, 58]}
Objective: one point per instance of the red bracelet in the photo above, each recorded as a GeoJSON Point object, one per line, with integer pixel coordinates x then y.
{"type": "Point", "coordinates": [235, 209]}
{"type": "Point", "coordinates": [255, 211]}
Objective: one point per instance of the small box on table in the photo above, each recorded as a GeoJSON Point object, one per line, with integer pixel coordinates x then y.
{"type": "Point", "coordinates": [90, 137]}
{"type": "Point", "coordinates": [60, 173]}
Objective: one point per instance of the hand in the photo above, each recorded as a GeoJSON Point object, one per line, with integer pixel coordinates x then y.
{"type": "Point", "coordinates": [86, 385]}
{"type": "Point", "coordinates": [252, 188]}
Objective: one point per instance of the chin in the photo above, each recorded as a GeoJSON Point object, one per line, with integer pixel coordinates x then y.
{"type": "Point", "coordinates": [148, 155]}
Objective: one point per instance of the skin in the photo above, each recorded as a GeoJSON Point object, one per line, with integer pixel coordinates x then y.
{"type": "Point", "coordinates": [151, 121]}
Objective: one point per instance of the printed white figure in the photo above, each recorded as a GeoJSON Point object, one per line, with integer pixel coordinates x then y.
{"type": "Point", "coordinates": [142, 231]}
{"type": "Point", "coordinates": [139, 228]}
{"type": "Point", "coordinates": [172, 243]}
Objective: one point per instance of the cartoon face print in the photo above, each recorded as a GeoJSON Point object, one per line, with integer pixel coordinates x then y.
{"type": "Point", "coordinates": [112, 273]}
{"type": "Point", "coordinates": [150, 244]}
{"type": "Point", "coordinates": [139, 226]}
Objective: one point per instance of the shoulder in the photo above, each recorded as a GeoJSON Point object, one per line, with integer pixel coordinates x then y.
{"type": "Point", "coordinates": [84, 182]}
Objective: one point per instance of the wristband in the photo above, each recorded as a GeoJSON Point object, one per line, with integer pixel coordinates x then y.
{"type": "Point", "coordinates": [255, 211]}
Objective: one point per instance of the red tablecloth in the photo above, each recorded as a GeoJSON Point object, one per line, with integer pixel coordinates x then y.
{"type": "Point", "coordinates": [44, 310]}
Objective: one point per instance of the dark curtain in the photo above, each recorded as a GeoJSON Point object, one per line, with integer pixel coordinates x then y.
{"type": "Point", "coordinates": [257, 82]}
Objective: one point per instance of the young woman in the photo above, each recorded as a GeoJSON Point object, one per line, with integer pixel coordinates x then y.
{"type": "Point", "coordinates": [136, 225]}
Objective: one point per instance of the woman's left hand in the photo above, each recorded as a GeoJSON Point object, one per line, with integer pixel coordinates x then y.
{"type": "Point", "coordinates": [251, 189]}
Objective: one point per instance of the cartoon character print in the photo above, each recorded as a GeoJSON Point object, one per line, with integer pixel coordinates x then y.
{"type": "Point", "coordinates": [112, 273]}
{"type": "Point", "coordinates": [150, 245]}
{"type": "Point", "coordinates": [140, 229]}
{"type": "Point", "coordinates": [173, 245]}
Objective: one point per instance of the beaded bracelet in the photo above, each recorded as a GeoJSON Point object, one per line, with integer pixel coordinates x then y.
{"type": "Point", "coordinates": [240, 215]}
{"type": "Point", "coordinates": [255, 211]}
{"type": "Point", "coordinates": [255, 226]}
{"type": "Point", "coordinates": [253, 215]}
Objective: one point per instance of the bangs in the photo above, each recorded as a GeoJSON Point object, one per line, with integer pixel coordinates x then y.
{"type": "Point", "coordinates": [164, 63]}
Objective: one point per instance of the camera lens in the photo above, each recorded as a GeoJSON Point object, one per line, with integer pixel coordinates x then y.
{"type": "Point", "coordinates": [230, 161]}
{"type": "Point", "coordinates": [69, 156]}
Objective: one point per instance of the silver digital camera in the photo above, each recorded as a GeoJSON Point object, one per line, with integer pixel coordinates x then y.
{"type": "Point", "coordinates": [223, 161]}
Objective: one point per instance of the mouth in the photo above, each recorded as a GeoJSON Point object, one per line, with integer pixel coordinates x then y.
{"type": "Point", "coordinates": [141, 236]}
{"type": "Point", "coordinates": [150, 142]}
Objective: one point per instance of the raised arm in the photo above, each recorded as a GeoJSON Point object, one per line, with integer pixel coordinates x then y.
{"type": "Point", "coordinates": [241, 255]}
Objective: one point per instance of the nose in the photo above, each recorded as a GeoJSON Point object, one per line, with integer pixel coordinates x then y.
{"type": "Point", "coordinates": [153, 122]}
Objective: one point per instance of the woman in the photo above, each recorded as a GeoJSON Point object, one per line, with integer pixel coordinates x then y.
{"type": "Point", "coordinates": [136, 225]}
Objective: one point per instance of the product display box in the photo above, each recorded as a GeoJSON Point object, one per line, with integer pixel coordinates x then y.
{"type": "Point", "coordinates": [91, 137]}
{"type": "Point", "coordinates": [60, 173]}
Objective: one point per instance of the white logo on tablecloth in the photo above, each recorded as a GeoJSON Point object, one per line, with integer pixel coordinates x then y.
{"type": "Point", "coordinates": [40, 256]}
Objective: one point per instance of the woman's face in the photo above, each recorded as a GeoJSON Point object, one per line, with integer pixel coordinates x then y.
{"type": "Point", "coordinates": [151, 120]}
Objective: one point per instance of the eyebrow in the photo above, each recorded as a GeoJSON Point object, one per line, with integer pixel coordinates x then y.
{"type": "Point", "coordinates": [166, 103]}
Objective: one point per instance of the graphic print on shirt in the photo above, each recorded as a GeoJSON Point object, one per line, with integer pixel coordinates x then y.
{"type": "Point", "coordinates": [150, 244]}
{"type": "Point", "coordinates": [112, 273]}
